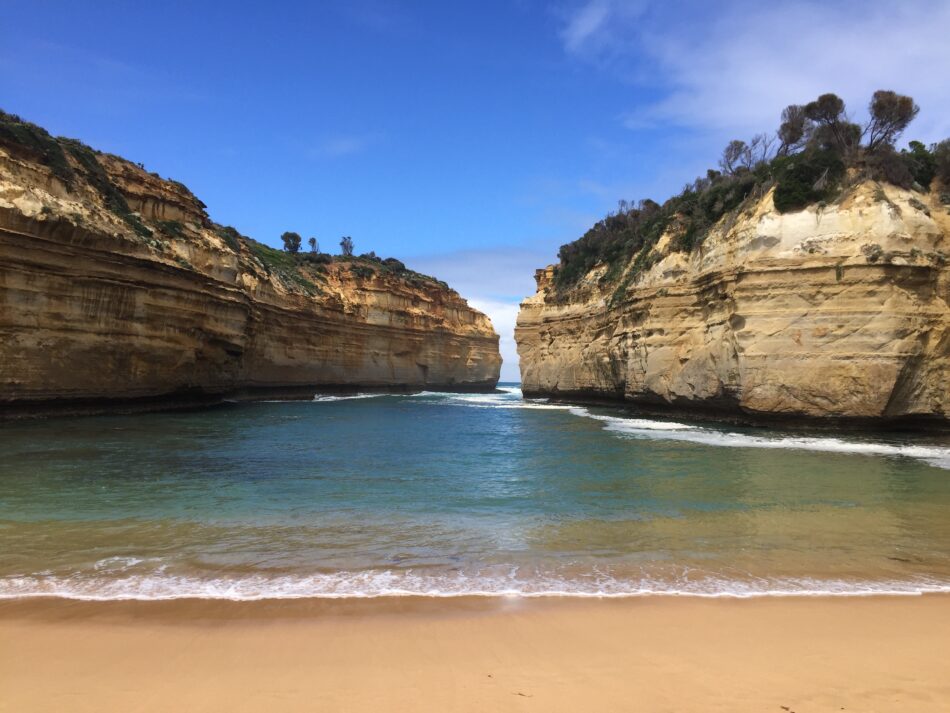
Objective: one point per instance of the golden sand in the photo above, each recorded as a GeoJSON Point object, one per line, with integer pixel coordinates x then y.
{"type": "Point", "coordinates": [806, 655]}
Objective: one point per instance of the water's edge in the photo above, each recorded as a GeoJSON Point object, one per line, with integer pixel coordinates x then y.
{"type": "Point", "coordinates": [728, 412]}
{"type": "Point", "coordinates": [292, 499]}
{"type": "Point", "coordinates": [200, 399]}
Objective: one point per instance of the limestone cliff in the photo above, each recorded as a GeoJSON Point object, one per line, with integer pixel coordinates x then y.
{"type": "Point", "coordinates": [115, 285]}
{"type": "Point", "coordinates": [840, 310]}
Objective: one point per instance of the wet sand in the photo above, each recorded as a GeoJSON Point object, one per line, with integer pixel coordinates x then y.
{"type": "Point", "coordinates": [804, 655]}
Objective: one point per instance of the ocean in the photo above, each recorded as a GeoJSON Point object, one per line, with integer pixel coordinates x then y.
{"type": "Point", "coordinates": [438, 494]}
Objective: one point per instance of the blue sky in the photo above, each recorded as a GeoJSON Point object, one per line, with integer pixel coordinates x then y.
{"type": "Point", "coordinates": [468, 139]}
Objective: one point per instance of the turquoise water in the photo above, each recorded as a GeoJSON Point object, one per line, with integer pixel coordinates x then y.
{"type": "Point", "coordinates": [452, 494]}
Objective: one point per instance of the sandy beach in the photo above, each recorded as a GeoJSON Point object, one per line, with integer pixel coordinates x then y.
{"type": "Point", "coordinates": [805, 655]}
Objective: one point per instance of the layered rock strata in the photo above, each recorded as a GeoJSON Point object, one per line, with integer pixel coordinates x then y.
{"type": "Point", "coordinates": [115, 287]}
{"type": "Point", "coordinates": [839, 311]}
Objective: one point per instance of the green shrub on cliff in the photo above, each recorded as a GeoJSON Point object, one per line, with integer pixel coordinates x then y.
{"type": "Point", "coordinates": [72, 161]}
{"type": "Point", "coordinates": [282, 265]}
{"type": "Point", "coordinates": [52, 152]}
{"type": "Point", "coordinates": [364, 272]}
{"type": "Point", "coordinates": [921, 163]}
{"type": "Point", "coordinates": [806, 178]}
{"type": "Point", "coordinates": [271, 258]}
{"type": "Point", "coordinates": [941, 154]}
{"type": "Point", "coordinates": [230, 236]}
{"type": "Point", "coordinates": [37, 141]}
{"type": "Point", "coordinates": [814, 154]}
{"type": "Point", "coordinates": [315, 258]}
{"type": "Point", "coordinates": [173, 228]}
{"type": "Point", "coordinates": [96, 175]}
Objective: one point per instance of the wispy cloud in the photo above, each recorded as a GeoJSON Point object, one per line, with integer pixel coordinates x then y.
{"type": "Point", "coordinates": [733, 66]}
{"type": "Point", "coordinates": [597, 27]}
{"type": "Point", "coordinates": [587, 22]}
{"type": "Point", "coordinates": [343, 145]}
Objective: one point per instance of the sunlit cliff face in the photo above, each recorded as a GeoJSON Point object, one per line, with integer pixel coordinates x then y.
{"type": "Point", "coordinates": [115, 284]}
{"type": "Point", "coordinates": [834, 311]}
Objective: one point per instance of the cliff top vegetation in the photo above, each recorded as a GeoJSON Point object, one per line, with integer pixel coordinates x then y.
{"type": "Point", "coordinates": [73, 162]}
{"type": "Point", "coordinates": [814, 156]}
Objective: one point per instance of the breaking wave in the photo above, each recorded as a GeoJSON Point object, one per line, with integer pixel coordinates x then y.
{"type": "Point", "coordinates": [643, 428]}
{"type": "Point", "coordinates": [656, 429]}
{"type": "Point", "coordinates": [377, 584]}
{"type": "Point", "coordinates": [326, 398]}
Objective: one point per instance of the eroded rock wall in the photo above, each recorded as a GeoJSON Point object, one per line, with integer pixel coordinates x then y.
{"type": "Point", "coordinates": [840, 312]}
{"type": "Point", "coordinates": [93, 308]}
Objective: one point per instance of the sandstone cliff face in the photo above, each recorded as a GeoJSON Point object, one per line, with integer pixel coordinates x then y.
{"type": "Point", "coordinates": [839, 312]}
{"type": "Point", "coordinates": [100, 300]}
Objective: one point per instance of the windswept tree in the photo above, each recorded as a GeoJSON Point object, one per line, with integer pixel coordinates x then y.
{"type": "Point", "coordinates": [291, 241]}
{"type": "Point", "coordinates": [314, 245]}
{"type": "Point", "coordinates": [833, 127]}
{"type": "Point", "coordinates": [890, 115]}
{"type": "Point", "coordinates": [761, 150]}
{"type": "Point", "coordinates": [733, 156]}
{"type": "Point", "coordinates": [346, 246]}
{"type": "Point", "coordinates": [817, 152]}
{"type": "Point", "coordinates": [827, 111]}
{"type": "Point", "coordinates": [740, 155]}
{"type": "Point", "coordinates": [793, 131]}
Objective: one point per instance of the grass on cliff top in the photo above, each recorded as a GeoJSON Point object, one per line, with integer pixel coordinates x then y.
{"type": "Point", "coordinates": [809, 161]}
{"type": "Point", "coordinates": [277, 263]}
{"type": "Point", "coordinates": [298, 268]}
{"type": "Point", "coordinates": [54, 152]}
{"type": "Point", "coordinates": [369, 264]}
{"type": "Point", "coordinates": [38, 142]}
{"type": "Point", "coordinates": [634, 230]}
{"type": "Point", "coordinates": [111, 195]}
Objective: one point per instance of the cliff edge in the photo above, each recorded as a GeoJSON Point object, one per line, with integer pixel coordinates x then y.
{"type": "Point", "coordinates": [838, 310]}
{"type": "Point", "coordinates": [115, 286]}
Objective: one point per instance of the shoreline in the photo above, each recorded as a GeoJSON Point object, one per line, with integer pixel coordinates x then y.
{"type": "Point", "coordinates": [52, 608]}
{"type": "Point", "coordinates": [729, 414]}
{"type": "Point", "coordinates": [874, 653]}
{"type": "Point", "coordinates": [937, 589]}
{"type": "Point", "coordinates": [199, 400]}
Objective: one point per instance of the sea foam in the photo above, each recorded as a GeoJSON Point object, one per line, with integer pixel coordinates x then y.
{"type": "Point", "coordinates": [642, 428]}
{"type": "Point", "coordinates": [657, 429]}
{"type": "Point", "coordinates": [328, 398]}
{"type": "Point", "coordinates": [377, 584]}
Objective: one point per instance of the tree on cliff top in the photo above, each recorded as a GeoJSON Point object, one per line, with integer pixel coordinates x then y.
{"type": "Point", "coordinates": [291, 241]}
{"type": "Point", "coordinates": [793, 129]}
{"type": "Point", "coordinates": [816, 152]}
{"type": "Point", "coordinates": [346, 245]}
{"type": "Point", "coordinates": [314, 246]}
{"type": "Point", "coordinates": [890, 114]}
{"type": "Point", "coordinates": [941, 152]}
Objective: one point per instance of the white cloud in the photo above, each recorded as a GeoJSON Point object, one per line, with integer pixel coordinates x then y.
{"type": "Point", "coordinates": [590, 28]}
{"type": "Point", "coordinates": [493, 281]}
{"type": "Point", "coordinates": [732, 66]}
{"type": "Point", "coordinates": [587, 22]}
{"type": "Point", "coordinates": [503, 316]}
{"type": "Point", "coordinates": [501, 274]}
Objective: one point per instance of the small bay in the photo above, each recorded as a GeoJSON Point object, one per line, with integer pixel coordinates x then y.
{"type": "Point", "coordinates": [462, 494]}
